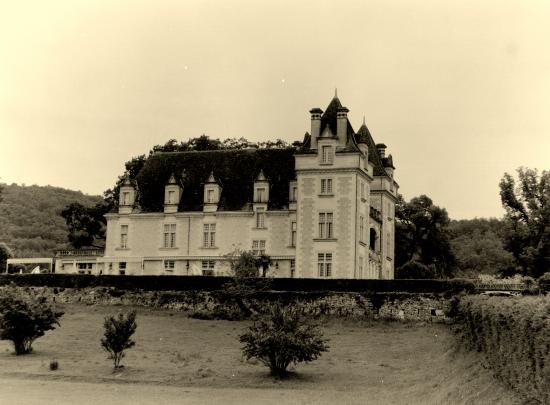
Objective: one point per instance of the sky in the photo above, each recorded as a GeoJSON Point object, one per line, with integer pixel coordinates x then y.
{"type": "Point", "coordinates": [459, 91]}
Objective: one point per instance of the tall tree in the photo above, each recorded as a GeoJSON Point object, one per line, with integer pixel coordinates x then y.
{"type": "Point", "coordinates": [86, 225]}
{"type": "Point", "coordinates": [527, 231]}
{"type": "Point", "coordinates": [422, 235]}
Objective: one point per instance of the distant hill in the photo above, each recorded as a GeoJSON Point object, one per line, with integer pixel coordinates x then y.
{"type": "Point", "coordinates": [30, 220]}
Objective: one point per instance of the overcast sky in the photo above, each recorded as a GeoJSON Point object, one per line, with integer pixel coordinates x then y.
{"type": "Point", "coordinates": [459, 91]}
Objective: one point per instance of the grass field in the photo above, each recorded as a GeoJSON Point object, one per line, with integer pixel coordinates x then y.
{"type": "Point", "coordinates": [384, 362]}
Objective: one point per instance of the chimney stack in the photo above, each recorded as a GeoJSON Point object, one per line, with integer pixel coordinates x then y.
{"type": "Point", "coordinates": [342, 125]}
{"type": "Point", "coordinates": [315, 126]}
{"type": "Point", "coordinates": [381, 150]}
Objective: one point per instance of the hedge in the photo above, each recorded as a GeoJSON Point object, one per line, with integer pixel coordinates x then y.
{"type": "Point", "coordinates": [205, 283]}
{"type": "Point", "coordinates": [514, 336]}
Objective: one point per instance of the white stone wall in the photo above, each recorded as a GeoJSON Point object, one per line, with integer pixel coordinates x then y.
{"type": "Point", "coordinates": [145, 252]}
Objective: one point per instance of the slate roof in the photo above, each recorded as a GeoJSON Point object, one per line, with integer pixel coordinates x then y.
{"type": "Point", "coordinates": [364, 136]}
{"type": "Point", "coordinates": [329, 118]}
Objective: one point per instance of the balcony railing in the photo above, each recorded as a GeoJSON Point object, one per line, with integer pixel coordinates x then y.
{"type": "Point", "coordinates": [79, 252]}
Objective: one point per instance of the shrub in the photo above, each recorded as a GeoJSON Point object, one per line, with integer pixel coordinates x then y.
{"type": "Point", "coordinates": [414, 270]}
{"type": "Point", "coordinates": [118, 332]}
{"type": "Point", "coordinates": [23, 322]}
{"type": "Point", "coordinates": [283, 338]}
{"type": "Point", "coordinates": [512, 333]}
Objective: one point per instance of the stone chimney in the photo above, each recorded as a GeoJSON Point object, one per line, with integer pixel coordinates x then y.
{"type": "Point", "coordinates": [342, 125]}
{"type": "Point", "coordinates": [381, 150]}
{"type": "Point", "coordinates": [315, 126]}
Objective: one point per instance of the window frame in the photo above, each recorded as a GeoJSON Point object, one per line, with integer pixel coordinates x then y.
{"type": "Point", "coordinates": [326, 225]}
{"type": "Point", "coordinates": [169, 236]}
{"type": "Point", "coordinates": [258, 247]}
{"type": "Point", "coordinates": [324, 265]}
{"type": "Point", "coordinates": [327, 155]}
{"type": "Point", "coordinates": [209, 235]}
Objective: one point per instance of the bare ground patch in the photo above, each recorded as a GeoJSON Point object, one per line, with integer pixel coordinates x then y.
{"type": "Point", "coordinates": [385, 362]}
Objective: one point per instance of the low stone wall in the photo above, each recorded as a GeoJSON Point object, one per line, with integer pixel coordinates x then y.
{"type": "Point", "coordinates": [395, 306]}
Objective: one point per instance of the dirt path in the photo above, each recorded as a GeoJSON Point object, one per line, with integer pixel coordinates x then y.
{"type": "Point", "coordinates": [36, 392]}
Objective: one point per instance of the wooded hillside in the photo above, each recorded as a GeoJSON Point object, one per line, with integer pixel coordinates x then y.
{"type": "Point", "coordinates": [30, 220]}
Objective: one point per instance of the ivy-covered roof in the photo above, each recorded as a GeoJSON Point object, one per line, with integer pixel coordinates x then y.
{"type": "Point", "coordinates": [235, 170]}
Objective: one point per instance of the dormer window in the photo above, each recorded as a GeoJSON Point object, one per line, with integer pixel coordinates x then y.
{"type": "Point", "coordinates": [261, 194]}
{"type": "Point", "coordinates": [326, 157]}
{"type": "Point", "coordinates": [126, 198]}
{"type": "Point", "coordinates": [209, 196]}
{"type": "Point", "coordinates": [171, 197]}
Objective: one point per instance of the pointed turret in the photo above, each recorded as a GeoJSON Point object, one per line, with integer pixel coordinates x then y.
{"type": "Point", "coordinates": [261, 189]}
{"type": "Point", "coordinates": [127, 196]}
{"type": "Point", "coordinates": [212, 194]}
{"type": "Point", "coordinates": [172, 195]}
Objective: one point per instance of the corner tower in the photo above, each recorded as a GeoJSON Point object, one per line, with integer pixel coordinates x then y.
{"type": "Point", "coordinates": [341, 230]}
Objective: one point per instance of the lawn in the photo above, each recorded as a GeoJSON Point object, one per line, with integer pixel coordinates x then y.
{"type": "Point", "coordinates": [384, 362]}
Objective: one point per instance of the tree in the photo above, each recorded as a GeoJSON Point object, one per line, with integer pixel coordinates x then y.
{"type": "Point", "coordinates": [86, 224]}
{"type": "Point", "coordinates": [263, 261]}
{"type": "Point", "coordinates": [527, 231]}
{"type": "Point", "coordinates": [5, 254]}
{"type": "Point", "coordinates": [478, 245]}
{"type": "Point", "coordinates": [117, 337]}
{"type": "Point", "coordinates": [283, 338]}
{"type": "Point", "coordinates": [243, 264]}
{"type": "Point", "coordinates": [422, 235]}
{"type": "Point", "coordinates": [23, 322]}
{"type": "Point", "coordinates": [416, 270]}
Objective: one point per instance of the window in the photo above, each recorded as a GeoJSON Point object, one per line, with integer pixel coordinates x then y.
{"type": "Point", "coordinates": [293, 234]}
{"type": "Point", "coordinates": [122, 268]}
{"type": "Point", "coordinates": [326, 186]}
{"type": "Point", "coordinates": [81, 268]}
{"type": "Point", "coordinates": [209, 196]}
{"type": "Point", "coordinates": [360, 266]}
{"type": "Point", "coordinates": [373, 238]}
{"type": "Point", "coordinates": [324, 262]}
{"type": "Point", "coordinates": [362, 190]}
{"type": "Point", "coordinates": [258, 247]}
{"type": "Point", "coordinates": [208, 267]}
{"type": "Point", "coordinates": [388, 244]}
{"type": "Point", "coordinates": [169, 235]}
{"type": "Point", "coordinates": [326, 154]}
{"type": "Point", "coordinates": [325, 225]}
{"type": "Point", "coordinates": [361, 229]}
{"type": "Point", "coordinates": [261, 194]}
{"type": "Point", "coordinates": [110, 266]}
{"type": "Point", "coordinates": [171, 197]}
{"type": "Point", "coordinates": [126, 198]}
{"type": "Point", "coordinates": [169, 265]}
{"type": "Point", "coordinates": [123, 236]}
{"type": "Point", "coordinates": [260, 218]}
{"type": "Point", "coordinates": [292, 268]}
{"type": "Point", "coordinates": [209, 235]}
{"type": "Point", "coordinates": [293, 193]}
